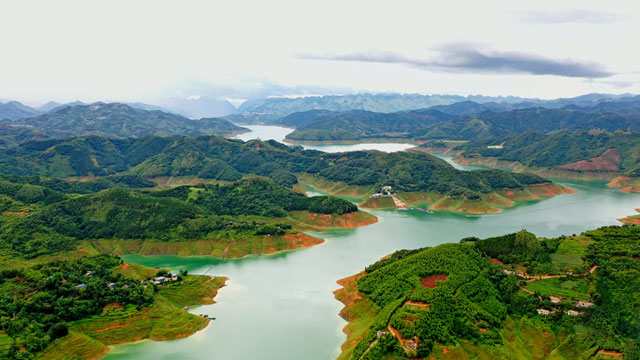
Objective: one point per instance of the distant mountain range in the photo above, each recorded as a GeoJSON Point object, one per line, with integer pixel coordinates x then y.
{"type": "Point", "coordinates": [464, 121]}
{"type": "Point", "coordinates": [113, 120]}
{"type": "Point", "coordinates": [13, 110]}
{"type": "Point", "coordinates": [271, 109]}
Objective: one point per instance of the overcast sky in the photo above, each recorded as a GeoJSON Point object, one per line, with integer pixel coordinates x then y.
{"type": "Point", "coordinates": [146, 50]}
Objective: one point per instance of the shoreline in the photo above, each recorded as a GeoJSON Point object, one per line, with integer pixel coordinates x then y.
{"type": "Point", "coordinates": [94, 337]}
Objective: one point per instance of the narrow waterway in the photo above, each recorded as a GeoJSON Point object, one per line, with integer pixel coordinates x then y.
{"type": "Point", "coordinates": [282, 307]}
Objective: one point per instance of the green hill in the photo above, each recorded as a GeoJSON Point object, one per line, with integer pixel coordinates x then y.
{"type": "Point", "coordinates": [519, 121]}
{"type": "Point", "coordinates": [179, 214]}
{"type": "Point", "coordinates": [453, 123]}
{"type": "Point", "coordinates": [580, 151]}
{"type": "Point", "coordinates": [122, 121]}
{"type": "Point", "coordinates": [453, 302]}
{"type": "Point", "coordinates": [359, 125]}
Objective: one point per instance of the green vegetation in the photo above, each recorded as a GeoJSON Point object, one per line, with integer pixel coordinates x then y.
{"type": "Point", "coordinates": [37, 303]}
{"type": "Point", "coordinates": [452, 124]}
{"type": "Point", "coordinates": [228, 160]}
{"type": "Point", "coordinates": [179, 214]}
{"type": "Point", "coordinates": [74, 308]}
{"type": "Point", "coordinates": [317, 125]}
{"type": "Point", "coordinates": [576, 289]}
{"type": "Point", "coordinates": [121, 121]}
{"type": "Point", "coordinates": [477, 310]}
{"type": "Point", "coordinates": [539, 150]}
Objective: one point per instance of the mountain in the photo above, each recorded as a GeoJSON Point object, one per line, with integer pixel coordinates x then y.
{"type": "Point", "coordinates": [322, 125]}
{"type": "Point", "coordinates": [431, 123]}
{"type": "Point", "coordinates": [14, 110]}
{"type": "Point", "coordinates": [518, 121]}
{"type": "Point", "coordinates": [428, 178]}
{"type": "Point", "coordinates": [580, 151]}
{"type": "Point", "coordinates": [11, 135]}
{"type": "Point", "coordinates": [624, 106]}
{"type": "Point", "coordinates": [271, 109]}
{"type": "Point", "coordinates": [120, 120]}
{"type": "Point", "coordinates": [199, 107]}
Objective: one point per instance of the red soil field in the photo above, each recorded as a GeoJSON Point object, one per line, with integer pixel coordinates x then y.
{"type": "Point", "coordinates": [430, 281]}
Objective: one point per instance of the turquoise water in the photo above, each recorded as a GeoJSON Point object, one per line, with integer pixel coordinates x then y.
{"type": "Point", "coordinates": [282, 307]}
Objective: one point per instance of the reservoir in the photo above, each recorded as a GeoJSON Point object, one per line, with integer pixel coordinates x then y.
{"type": "Point", "coordinates": [281, 306]}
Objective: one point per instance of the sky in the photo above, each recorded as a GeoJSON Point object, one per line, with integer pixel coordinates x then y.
{"type": "Point", "coordinates": [150, 50]}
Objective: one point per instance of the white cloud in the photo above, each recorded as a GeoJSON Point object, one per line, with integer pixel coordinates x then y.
{"type": "Point", "coordinates": [148, 49]}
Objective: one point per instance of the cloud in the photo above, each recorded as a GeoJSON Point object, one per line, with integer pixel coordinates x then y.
{"type": "Point", "coordinates": [469, 58]}
{"type": "Point", "coordinates": [568, 17]}
{"type": "Point", "coordinates": [244, 88]}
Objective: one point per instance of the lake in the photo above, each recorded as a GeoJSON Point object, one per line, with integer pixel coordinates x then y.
{"type": "Point", "coordinates": [281, 306]}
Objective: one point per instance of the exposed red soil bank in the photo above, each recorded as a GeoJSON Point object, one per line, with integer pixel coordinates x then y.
{"type": "Point", "coordinates": [609, 161]}
{"type": "Point", "coordinates": [346, 221]}
{"type": "Point", "coordinates": [418, 304]}
{"type": "Point", "coordinates": [610, 353]}
{"type": "Point", "coordinates": [430, 281]}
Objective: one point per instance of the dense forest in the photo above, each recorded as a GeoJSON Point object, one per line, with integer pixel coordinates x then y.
{"type": "Point", "coordinates": [460, 121]}
{"type": "Point", "coordinates": [319, 125]}
{"type": "Point", "coordinates": [216, 158]}
{"type": "Point", "coordinates": [37, 303]}
{"type": "Point", "coordinates": [110, 120]}
{"type": "Point", "coordinates": [472, 298]}
{"type": "Point", "coordinates": [534, 149]}
{"type": "Point", "coordinates": [59, 222]}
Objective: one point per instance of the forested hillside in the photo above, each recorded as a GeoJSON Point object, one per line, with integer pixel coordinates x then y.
{"type": "Point", "coordinates": [453, 300]}
{"type": "Point", "coordinates": [228, 160]}
{"type": "Point", "coordinates": [460, 121]}
{"type": "Point", "coordinates": [50, 221]}
{"type": "Point", "coordinates": [359, 125]}
{"type": "Point", "coordinates": [113, 120]}
{"type": "Point", "coordinates": [582, 151]}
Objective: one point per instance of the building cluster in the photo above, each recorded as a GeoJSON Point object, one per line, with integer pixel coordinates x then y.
{"type": "Point", "coordinates": [385, 192]}
{"type": "Point", "coordinates": [159, 280]}
{"type": "Point", "coordinates": [556, 300]}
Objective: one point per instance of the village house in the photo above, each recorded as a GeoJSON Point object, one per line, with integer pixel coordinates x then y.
{"type": "Point", "coordinates": [162, 279]}
{"type": "Point", "coordinates": [89, 273]}
{"type": "Point", "coordinates": [555, 299]}
{"type": "Point", "coordinates": [544, 312]}
{"type": "Point", "coordinates": [81, 286]}
{"type": "Point", "coordinates": [411, 345]}
{"type": "Point", "coordinates": [584, 304]}
{"type": "Point", "coordinates": [573, 313]}
{"type": "Point", "coordinates": [495, 147]}
{"type": "Point", "coordinates": [380, 333]}
{"type": "Point", "coordinates": [386, 192]}
{"type": "Point", "coordinates": [111, 286]}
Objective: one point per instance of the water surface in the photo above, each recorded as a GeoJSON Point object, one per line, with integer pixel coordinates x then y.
{"type": "Point", "coordinates": [281, 306]}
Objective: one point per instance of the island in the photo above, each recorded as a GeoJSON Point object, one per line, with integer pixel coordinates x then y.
{"type": "Point", "coordinates": [563, 298]}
